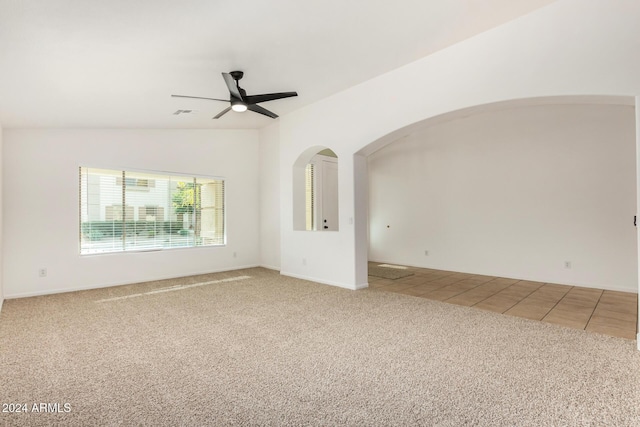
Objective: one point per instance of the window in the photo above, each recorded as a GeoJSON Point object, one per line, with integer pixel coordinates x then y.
{"type": "Point", "coordinates": [129, 211]}
{"type": "Point", "coordinates": [138, 184]}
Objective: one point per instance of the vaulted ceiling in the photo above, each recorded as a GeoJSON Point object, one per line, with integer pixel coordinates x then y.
{"type": "Point", "coordinates": [114, 64]}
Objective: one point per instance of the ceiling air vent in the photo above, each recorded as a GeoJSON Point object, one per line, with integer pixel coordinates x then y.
{"type": "Point", "coordinates": [179, 112]}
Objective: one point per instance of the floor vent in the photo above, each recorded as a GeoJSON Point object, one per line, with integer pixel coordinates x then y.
{"type": "Point", "coordinates": [399, 267]}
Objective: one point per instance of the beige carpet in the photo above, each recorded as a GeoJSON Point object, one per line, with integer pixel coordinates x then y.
{"type": "Point", "coordinates": [271, 350]}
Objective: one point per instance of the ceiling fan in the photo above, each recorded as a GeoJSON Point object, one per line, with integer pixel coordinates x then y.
{"type": "Point", "coordinates": [239, 99]}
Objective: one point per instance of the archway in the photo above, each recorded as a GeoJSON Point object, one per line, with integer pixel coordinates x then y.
{"type": "Point", "coordinates": [360, 160]}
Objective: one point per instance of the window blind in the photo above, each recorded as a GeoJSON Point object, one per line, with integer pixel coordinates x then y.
{"type": "Point", "coordinates": [129, 211]}
{"type": "Point", "coordinates": [309, 196]}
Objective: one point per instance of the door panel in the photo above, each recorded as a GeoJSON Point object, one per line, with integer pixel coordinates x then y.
{"type": "Point", "coordinates": [329, 196]}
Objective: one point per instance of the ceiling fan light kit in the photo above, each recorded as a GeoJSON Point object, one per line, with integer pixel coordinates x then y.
{"type": "Point", "coordinates": [239, 99]}
{"type": "Point", "coordinates": [238, 106]}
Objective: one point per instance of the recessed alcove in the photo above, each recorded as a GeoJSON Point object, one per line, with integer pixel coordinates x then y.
{"type": "Point", "coordinates": [315, 190]}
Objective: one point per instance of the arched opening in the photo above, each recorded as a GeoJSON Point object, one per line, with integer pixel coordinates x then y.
{"type": "Point", "coordinates": [535, 221]}
{"type": "Point", "coordinates": [315, 190]}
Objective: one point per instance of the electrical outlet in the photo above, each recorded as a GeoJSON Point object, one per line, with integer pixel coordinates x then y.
{"type": "Point", "coordinates": [235, 254]}
{"type": "Point", "coordinates": [304, 261]}
{"type": "Point", "coordinates": [567, 264]}
{"type": "Point", "coordinates": [426, 253]}
{"type": "Point", "coordinates": [42, 272]}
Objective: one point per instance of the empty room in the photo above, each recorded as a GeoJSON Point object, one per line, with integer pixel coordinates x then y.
{"type": "Point", "coordinates": [319, 213]}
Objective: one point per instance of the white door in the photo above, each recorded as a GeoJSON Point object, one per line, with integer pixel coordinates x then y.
{"type": "Point", "coordinates": [329, 214]}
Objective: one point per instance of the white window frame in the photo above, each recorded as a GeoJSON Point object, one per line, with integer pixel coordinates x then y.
{"type": "Point", "coordinates": [125, 249]}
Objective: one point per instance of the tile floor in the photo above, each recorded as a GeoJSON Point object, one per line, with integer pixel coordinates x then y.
{"type": "Point", "coordinates": [595, 310]}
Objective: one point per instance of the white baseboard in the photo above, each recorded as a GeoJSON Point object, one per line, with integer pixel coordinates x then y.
{"type": "Point", "coordinates": [108, 285]}
{"type": "Point", "coordinates": [322, 281]}
{"type": "Point", "coordinates": [270, 267]}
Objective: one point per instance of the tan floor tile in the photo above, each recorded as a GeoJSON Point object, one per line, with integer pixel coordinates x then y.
{"type": "Point", "coordinates": [621, 301]}
{"type": "Point", "coordinates": [531, 308]}
{"type": "Point", "coordinates": [413, 280]}
{"type": "Point", "coordinates": [546, 294]}
{"type": "Point", "coordinates": [568, 322]}
{"type": "Point", "coordinates": [532, 313]}
{"type": "Point", "coordinates": [619, 308]}
{"type": "Point", "coordinates": [521, 289]}
{"type": "Point", "coordinates": [556, 287]}
{"type": "Point", "coordinates": [376, 285]}
{"type": "Point", "coordinates": [442, 294]}
{"type": "Point", "coordinates": [428, 277]}
{"type": "Point", "coordinates": [503, 280]}
{"type": "Point", "coordinates": [579, 295]}
{"type": "Point", "coordinates": [498, 303]}
{"type": "Point", "coordinates": [450, 291]}
{"type": "Point", "coordinates": [531, 284]}
{"type": "Point", "coordinates": [555, 291]}
{"type": "Point", "coordinates": [541, 296]}
{"type": "Point", "coordinates": [612, 322]}
{"type": "Point", "coordinates": [465, 285]}
{"type": "Point", "coordinates": [576, 304]}
{"type": "Point", "coordinates": [415, 291]}
{"type": "Point", "coordinates": [398, 286]}
{"type": "Point", "coordinates": [434, 286]}
{"type": "Point", "coordinates": [468, 283]}
{"type": "Point", "coordinates": [585, 293]}
{"type": "Point", "coordinates": [621, 311]}
{"type": "Point", "coordinates": [611, 331]}
{"type": "Point", "coordinates": [493, 287]}
{"type": "Point", "coordinates": [446, 280]}
{"type": "Point", "coordinates": [546, 300]}
{"type": "Point", "coordinates": [483, 278]}
{"type": "Point", "coordinates": [478, 294]}
{"type": "Point", "coordinates": [373, 279]}
{"type": "Point", "coordinates": [632, 297]}
{"type": "Point", "coordinates": [465, 299]}
{"type": "Point", "coordinates": [567, 307]}
{"type": "Point", "coordinates": [620, 297]}
{"type": "Point", "coordinates": [601, 311]}
{"type": "Point", "coordinates": [424, 273]}
{"type": "Point", "coordinates": [608, 312]}
{"type": "Point", "coordinates": [460, 276]}
{"type": "Point", "coordinates": [449, 273]}
{"type": "Point", "coordinates": [577, 318]}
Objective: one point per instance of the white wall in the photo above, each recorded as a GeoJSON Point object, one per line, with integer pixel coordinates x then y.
{"type": "Point", "coordinates": [571, 47]}
{"type": "Point", "coordinates": [270, 197]}
{"type": "Point", "coordinates": [41, 204]}
{"type": "Point", "coordinates": [513, 193]}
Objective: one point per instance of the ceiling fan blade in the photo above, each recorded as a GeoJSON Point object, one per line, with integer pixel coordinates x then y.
{"type": "Point", "coordinates": [255, 99]}
{"type": "Point", "coordinates": [199, 97]}
{"type": "Point", "coordinates": [223, 112]}
{"type": "Point", "coordinates": [231, 84]}
{"type": "Point", "coordinates": [258, 109]}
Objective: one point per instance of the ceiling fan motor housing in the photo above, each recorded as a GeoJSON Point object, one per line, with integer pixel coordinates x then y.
{"type": "Point", "coordinates": [237, 75]}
